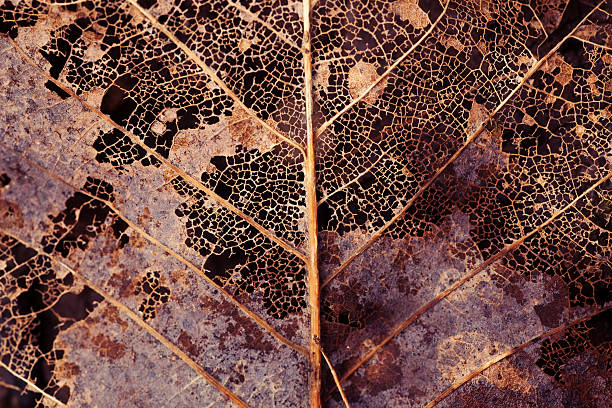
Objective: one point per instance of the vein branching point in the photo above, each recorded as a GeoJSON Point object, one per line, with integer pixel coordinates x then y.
{"type": "Point", "coordinates": [363, 203]}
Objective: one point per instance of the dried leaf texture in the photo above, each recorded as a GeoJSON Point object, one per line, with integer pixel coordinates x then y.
{"type": "Point", "coordinates": [167, 167]}
{"type": "Point", "coordinates": [504, 240]}
{"type": "Point", "coordinates": [109, 198]}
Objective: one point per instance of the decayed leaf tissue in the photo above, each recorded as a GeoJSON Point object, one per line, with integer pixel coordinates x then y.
{"type": "Point", "coordinates": [278, 203]}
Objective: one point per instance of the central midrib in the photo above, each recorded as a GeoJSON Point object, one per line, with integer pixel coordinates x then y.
{"type": "Point", "coordinates": [311, 215]}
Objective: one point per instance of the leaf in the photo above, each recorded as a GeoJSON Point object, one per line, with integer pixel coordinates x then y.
{"type": "Point", "coordinates": [199, 200]}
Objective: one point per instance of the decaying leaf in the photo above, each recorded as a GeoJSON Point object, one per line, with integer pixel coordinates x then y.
{"type": "Point", "coordinates": [198, 198]}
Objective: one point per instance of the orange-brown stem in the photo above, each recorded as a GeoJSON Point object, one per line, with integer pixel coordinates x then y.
{"type": "Point", "coordinates": [311, 214]}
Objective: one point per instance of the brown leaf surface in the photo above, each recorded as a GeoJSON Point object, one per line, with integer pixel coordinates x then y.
{"type": "Point", "coordinates": [199, 198]}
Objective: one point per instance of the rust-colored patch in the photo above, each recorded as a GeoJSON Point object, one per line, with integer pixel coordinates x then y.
{"type": "Point", "coordinates": [382, 373]}
{"type": "Point", "coordinates": [137, 240]}
{"type": "Point", "coordinates": [187, 344]}
{"type": "Point", "coordinates": [586, 31]}
{"type": "Point", "coordinates": [244, 44]}
{"type": "Point", "coordinates": [515, 292]}
{"type": "Point", "coordinates": [550, 313]}
{"type": "Point", "coordinates": [238, 325]}
{"type": "Point", "coordinates": [179, 277]}
{"type": "Point", "coordinates": [66, 369]}
{"type": "Point", "coordinates": [509, 281]}
{"type": "Point", "coordinates": [124, 283]}
{"type": "Point", "coordinates": [107, 347]}
{"type": "Point", "coordinates": [453, 42]}
{"type": "Point", "coordinates": [361, 76]}
{"type": "Point", "coordinates": [181, 140]}
{"type": "Point", "coordinates": [478, 115]}
{"type": "Point", "coordinates": [409, 10]}
{"type": "Point", "coordinates": [169, 174]}
{"type": "Point", "coordinates": [562, 71]}
{"type": "Point", "coordinates": [254, 337]}
{"type": "Point", "coordinates": [10, 214]}
{"type": "Point", "coordinates": [407, 287]}
{"type": "Point", "coordinates": [592, 81]}
{"type": "Point", "coordinates": [486, 171]}
{"type": "Point", "coordinates": [111, 313]}
{"type": "Point", "coordinates": [90, 321]}
{"type": "Point", "coordinates": [505, 375]}
{"type": "Point", "coordinates": [404, 256]}
{"type": "Point", "coordinates": [145, 217]}
{"type": "Point", "coordinates": [248, 133]}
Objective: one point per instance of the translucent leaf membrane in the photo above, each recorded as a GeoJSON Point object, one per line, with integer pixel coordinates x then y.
{"type": "Point", "coordinates": [127, 366]}
{"type": "Point", "coordinates": [378, 153]}
{"type": "Point", "coordinates": [152, 202]}
{"type": "Point", "coordinates": [212, 239]}
{"type": "Point", "coordinates": [576, 354]}
{"type": "Point", "coordinates": [546, 146]}
{"type": "Point", "coordinates": [356, 41]}
{"type": "Point", "coordinates": [252, 48]}
{"type": "Point", "coordinates": [160, 290]}
{"type": "Point", "coordinates": [112, 56]}
{"type": "Point", "coordinates": [70, 206]}
{"type": "Point", "coordinates": [70, 344]}
{"type": "Point", "coordinates": [558, 275]}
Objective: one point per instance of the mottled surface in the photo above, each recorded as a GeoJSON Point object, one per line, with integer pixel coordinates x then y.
{"type": "Point", "coordinates": [152, 186]}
